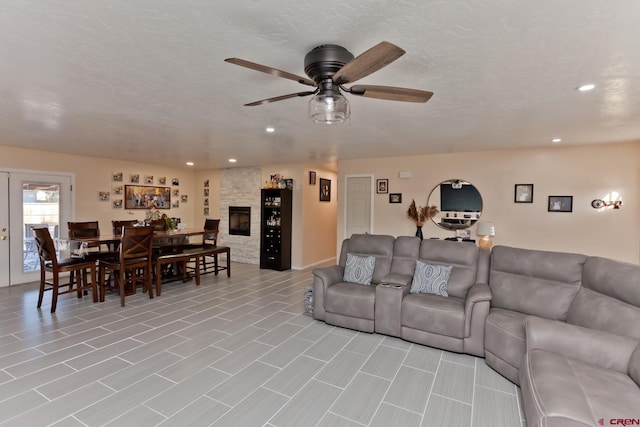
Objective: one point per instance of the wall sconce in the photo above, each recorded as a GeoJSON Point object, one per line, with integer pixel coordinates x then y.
{"type": "Point", "coordinates": [486, 230]}
{"type": "Point", "coordinates": [599, 204]}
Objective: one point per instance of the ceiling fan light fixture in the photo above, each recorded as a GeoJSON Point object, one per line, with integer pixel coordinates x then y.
{"type": "Point", "coordinates": [329, 108]}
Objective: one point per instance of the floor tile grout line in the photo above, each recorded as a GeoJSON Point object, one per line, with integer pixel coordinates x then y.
{"type": "Point", "coordinates": [473, 392]}
{"type": "Point", "coordinates": [496, 390]}
{"type": "Point", "coordinates": [450, 398]}
{"type": "Point", "coordinates": [431, 393]}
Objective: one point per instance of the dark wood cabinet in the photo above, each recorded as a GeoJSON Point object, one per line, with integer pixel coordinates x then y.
{"type": "Point", "coordinates": [275, 229]}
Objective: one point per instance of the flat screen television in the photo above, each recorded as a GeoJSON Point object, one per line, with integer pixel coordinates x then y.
{"type": "Point", "coordinates": [465, 199]}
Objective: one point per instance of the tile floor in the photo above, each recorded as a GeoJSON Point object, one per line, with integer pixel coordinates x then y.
{"type": "Point", "coordinates": [233, 352]}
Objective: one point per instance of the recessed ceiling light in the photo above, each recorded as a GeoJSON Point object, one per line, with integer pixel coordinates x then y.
{"type": "Point", "coordinates": [189, 163]}
{"type": "Point", "coordinates": [232, 160]}
{"type": "Point", "coordinates": [587, 87]}
{"type": "Point", "coordinates": [270, 130]}
{"type": "Point", "coordinates": [556, 140]}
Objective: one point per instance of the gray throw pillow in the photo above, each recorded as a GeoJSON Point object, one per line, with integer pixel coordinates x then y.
{"type": "Point", "coordinates": [359, 269]}
{"type": "Point", "coordinates": [431, 279]}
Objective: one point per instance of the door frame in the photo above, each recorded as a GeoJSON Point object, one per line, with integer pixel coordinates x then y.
{"type": "Point", "coordinates": [16, 214]}
{"type": "Point", "coordinates": [346, 201]}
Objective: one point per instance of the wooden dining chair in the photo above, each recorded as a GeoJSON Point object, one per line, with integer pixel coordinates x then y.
{"type": "Point", "coordinates": [117, 225]}
{"type": "Point", "coordinates": [133, 266]}
{"type": "Point", "coordinates": [84, 229]}
{"type": "Point", "coordinates": [49, 263]}
{"type": "Point", "coordinates": [209, 239]}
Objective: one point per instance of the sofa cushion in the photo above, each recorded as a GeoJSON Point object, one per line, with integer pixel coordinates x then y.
{"type": "Point", "coordinates": [351, 299]}
{"type": "Point", "coordinates": [431, 279]}
{"type": "Point", "coordinates": [634, 365]}
{"type": "Point", "coordinates": [359, 269]}
{"type": "Point", "coordinates": [379, 246]}
{"type": "Point", "coordinates": [557, 386]}
{"type": "Point", "coordinates": [535, 282]}
{"type": "Point", "coordinates": [504, 335]}
{"type": "Point", "coordinates": [463, 257]}
{"type": "Point", "coordinates": [433, 313]}
{"type": "Point", "coordinates": [609, 299]}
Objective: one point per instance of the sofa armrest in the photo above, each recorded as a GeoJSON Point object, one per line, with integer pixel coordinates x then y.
{"type": "Point", "coordinates": [329, 275]}
{"type": "Point", "coordinates": [599, 348]}
{"type": "Point", "coordinates": [322, 279]}
{"type": "Point", "coordinates": [397, 279]}
{"type": "Point", "coordinates": [477, 293]}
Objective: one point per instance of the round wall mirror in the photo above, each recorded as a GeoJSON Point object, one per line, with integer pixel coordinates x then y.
{"type": "Point", "coordinates": [459, 203]}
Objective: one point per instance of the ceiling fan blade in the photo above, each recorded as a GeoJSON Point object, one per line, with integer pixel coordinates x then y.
{"type": "Point", "coordinates": [269, 70]}
{"type": "Point", "coordinates": [391, 93]}
{"type": "Point", "coordinates": [279, 98]}
{"type": "Point", "coordinates": [379, 56]}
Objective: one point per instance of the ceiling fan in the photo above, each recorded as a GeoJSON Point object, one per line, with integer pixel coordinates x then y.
{"type": "Point", "coordinates": [330, 67]}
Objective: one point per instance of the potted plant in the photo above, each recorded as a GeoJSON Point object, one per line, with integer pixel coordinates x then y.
{"type": "Point", "coordinates": [420, 214]}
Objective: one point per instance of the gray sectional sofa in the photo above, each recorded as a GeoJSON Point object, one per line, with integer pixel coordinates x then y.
{"type": "Point", "coordinates": [565, 327]}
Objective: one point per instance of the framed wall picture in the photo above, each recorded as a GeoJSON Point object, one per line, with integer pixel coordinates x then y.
{"type": "Point", "coordinates": [395, 198]}
{"type": "Point", "coordinates": [523, 193]}
{"type": "Point", "coordinates": [144, 197]}
{"type": "Point", "coordinates": [325, 190]}
{"type": "Point", "coordinates": [312, 177]}
{"type": "Point", "coordinates": [560, 204]}
{"type": "Point", "coordinates": [382, 186]}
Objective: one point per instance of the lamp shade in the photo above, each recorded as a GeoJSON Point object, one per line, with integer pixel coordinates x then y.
{"type": "Point", "coordinates": [486, 229]}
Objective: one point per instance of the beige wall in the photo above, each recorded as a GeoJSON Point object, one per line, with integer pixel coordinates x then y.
{"type": "Point", "coordinates": [94, 174]}
{"type": "Point", "coordinates": [586, 173]}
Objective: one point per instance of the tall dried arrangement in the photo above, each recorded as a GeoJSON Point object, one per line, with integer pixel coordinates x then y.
{"type": "Point", "coordinates": [420, 214]}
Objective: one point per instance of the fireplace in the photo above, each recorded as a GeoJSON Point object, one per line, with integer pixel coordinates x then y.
{"type": "Point", "coordinates": [240, 220]}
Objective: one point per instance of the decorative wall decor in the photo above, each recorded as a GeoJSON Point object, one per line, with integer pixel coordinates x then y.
{"type": "Point", "coordinates": [117, 189]}
{"type": "Point", "coordinates": [184, 198]}
{"type": "Point", "coordinates": [134, 178]}
{"type": "Point", "coordinates": [325, 190]}
{"type": "Point", "coordinates": [175, 182]}
{"type": "Point", "coordinates": [523, 193]}
{"type": "Point", "coordinates": [116, 204]}
{"type": "Point", "coordinates": [145, 197]}
{"type": "Point", "coordinates": [599, 204]}
{"type": "Point", "coordinates": [206, 183]}
{"type": "Point", "coordinates": [117, 176]}
{"type": "Point", "coordinates": [103, 196]}
{"type": "Point", "coordinates": [175, 204]}
{"type": "Point", "coordinates": [148, 179]}
{"type": "Point", "coordinates": [176, 192]}
{"type": "Point", "coordinates": [205, 211]}
{"type": "Point", "coordinates": [312, 177]}
{"type": "Point", "coordinates": [206, 192]}
{"type": "Point", "coordinates": [395, 198]}
{"type": "Point", "coordinates": [162, 180]}
{"type": "Point", "coordinates": [560, 204]}
{"type": "Point", "coordinates": [382, 186]}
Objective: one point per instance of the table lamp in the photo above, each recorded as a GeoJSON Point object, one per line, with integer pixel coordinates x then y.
{"type": "Point", "coordinates": [486, 230]}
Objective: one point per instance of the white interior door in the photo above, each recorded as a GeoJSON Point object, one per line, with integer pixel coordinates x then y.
{"type": "Point", "coordinates": [358, 208]}
{"type": "Point", "coordinates": [4, 229]}
{"type": "Point", "coordinates": [31, 199]}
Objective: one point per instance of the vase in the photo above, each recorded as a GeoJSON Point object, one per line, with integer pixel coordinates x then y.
{"type": "Point", "coordinates": [419, 231]}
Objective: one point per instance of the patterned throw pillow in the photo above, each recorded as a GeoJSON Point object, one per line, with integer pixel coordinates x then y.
{"type": "Point", "coordinates": [359, 269]}
{"type": "Point", "coordinates": [431, 279]}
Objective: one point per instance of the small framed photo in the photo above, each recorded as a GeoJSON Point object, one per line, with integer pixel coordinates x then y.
{"type": "Point", "coordinates": [134, 178]}
{"type": "Point", "coordinates": [205, 211]}
{"type": "Point", "coordinates": [395, 198]}
{"type": "Point", "coordinates": [148, 179]}
{"type": "Point", "coordinates": [206, 183]}
{"type": "Point", "coordinates": [104, 196]}
{"type": "Point", "coordinates": [116, 204]}
{"type": "Point", "coordinates": [312, 177]}
{"type": "Point", "coordinates": [523, 193]}
{"type": "Point", "coordinates": [184, 198]}
{"type": "Point", "coordinates": [117, 176]}
{"type": "Point", "coordinates": [382, 186]}
{"type": "Point", "coordinates": [175, 192]}
{"type": "Point", "coordinates": [117, 189]}
{"type": "Point", "coordinates": [206, 201]}
{"type": "Point", "coordinates": [175, 182]}
{"type": "Point", "coordinates": [560, 204]}
{"type": "Point", "coordinates": [325, 190]}
{"type": "Point", "coordinates": [206, 192]}
{"type": "Point", "coordinates": [175, 204]}
{"type": "Point", "coordinates": [162, 180]}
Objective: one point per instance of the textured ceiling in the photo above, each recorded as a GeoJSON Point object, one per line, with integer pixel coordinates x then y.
{"type": "Point", "coordinates": [146, 79]}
